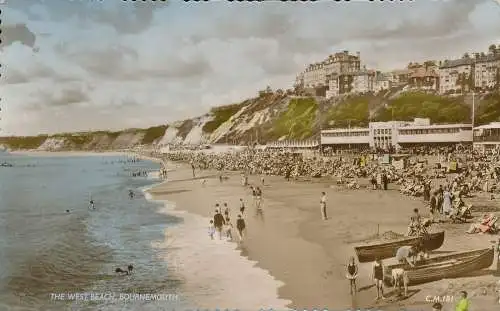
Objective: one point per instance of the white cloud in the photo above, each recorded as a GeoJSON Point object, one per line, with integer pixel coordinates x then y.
{"type": "Point", "coordinates": [115, 65]}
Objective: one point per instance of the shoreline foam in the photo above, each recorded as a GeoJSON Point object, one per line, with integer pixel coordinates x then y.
{"type": "Point", "coordinates": [215, 272]}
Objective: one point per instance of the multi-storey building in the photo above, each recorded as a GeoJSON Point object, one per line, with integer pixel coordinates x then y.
{"type": "Point", "coordinates": [487, 71]}
{"type": "Point", "coordinates": [394, 134]}
{"type": "Point", "coordinates": [316, 75]}
{"type": "Point", "coordinates": [487, 137]}
{"type": "Point", "coordinates": [398, 77]}
{"type": "Point", "coordinates": [456, 75]}
{"type": "Point", "coordinates": [382, 83]}
{"type": "Point", "coordinates": [361, 81]}
{"type": "Point", "coordinates": [424, 77]}
{"type": "Point", "coordinates": [299, 80]}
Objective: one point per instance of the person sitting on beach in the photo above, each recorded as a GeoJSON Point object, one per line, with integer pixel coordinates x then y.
{"type": "Point", "coordinates": [218, 222]}
{"type": "Point", "coordinates": [211, 230]}
{"type": "Point", "coordinates": [240, 225]}
{"type": "Point", "coordinates": [228, 226]}
{"type": "Point", "coordinates": [407, 254]}
{"type": "Point", "coordinates": [352, 274]}
{"type": "Point", "coordinates": [415, 223]}
{"type": "Point", "coordinates": [378, 277]}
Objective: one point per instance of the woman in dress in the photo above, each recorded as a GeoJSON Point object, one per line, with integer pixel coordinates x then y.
{"type": "Point", "coordinates": [352, 274]}
{"type": "Point", "coordinates": [447, 199]}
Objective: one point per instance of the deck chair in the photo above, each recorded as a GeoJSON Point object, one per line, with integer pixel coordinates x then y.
{"type": "Point", "coordinates": [489, 226]}
{"type": "Point", "coordinates": [462, 214]}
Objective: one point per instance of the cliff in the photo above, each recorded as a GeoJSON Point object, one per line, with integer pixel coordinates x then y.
{"type": "Point", "coordinates": [273, 116]}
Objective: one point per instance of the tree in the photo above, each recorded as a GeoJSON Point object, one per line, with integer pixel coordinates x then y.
{"type": "Point", "coordinates": [466, 56]}
{"type": "Point", "coordinates": [269, 89]}
{"type": "Point", "coordinates": [492, 49]}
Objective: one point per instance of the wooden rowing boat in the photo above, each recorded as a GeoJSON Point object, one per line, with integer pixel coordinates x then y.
{"type": "Point", "coordinates": [444, 266]}
{"type": "Point", "coordinates": [367, 253]}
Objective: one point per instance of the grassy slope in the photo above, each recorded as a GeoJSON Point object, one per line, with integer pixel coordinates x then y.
{"type": "Point", "coordinates": [221, 115]}
{"type": "Point", "coordinates": [488, 110]}
{"type": "Point", "coordinates": [421, 105]}
{"type": "Point", "coordinates": [355, 110]}
{"type": "Point", "coordinates": [297, 121]}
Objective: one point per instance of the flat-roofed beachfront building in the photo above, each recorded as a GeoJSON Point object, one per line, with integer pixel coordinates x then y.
{"type": "Point", "coordinates": [397, 134]}
{"type": "Point", "coordinates": [487, 137]}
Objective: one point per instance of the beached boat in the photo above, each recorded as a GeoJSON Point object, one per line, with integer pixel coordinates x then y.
{"type": "Point", "coordinates": [382, 250]}
{"type": "Point", "coordinates": [444, 266]}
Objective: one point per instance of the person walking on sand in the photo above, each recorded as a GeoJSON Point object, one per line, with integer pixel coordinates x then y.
{"type": "Point", "coordinates": [242, 206]}
{"type": "Point", "coordinates": [228, 226]}
{"type": "Point", "coordinates": [378, 278]}
{"type": "Point", "coordinates": [258, 197]}
{"type": "Point", "coordinates": [262, 180]}
{"type": "Point", "coordinates": [218, 223]}
{"type": "Point", "coordinates": [322, 204]}
{"type": "Point", "coordinates": [385, 180]}
{"type": "Point", "coordinates": [226, 210]}
{"type": "Point", "coordinates": [352, 274]}
{"type": "Point", "coordinates": [211, 230]}
{"type": "Point", "coordinates": [240, 225]}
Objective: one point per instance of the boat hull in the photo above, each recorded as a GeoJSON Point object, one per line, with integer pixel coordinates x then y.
{"type": "Point", "coordinates": [367, 253]}
{"type": "Point", "coordinates": [443, 267]}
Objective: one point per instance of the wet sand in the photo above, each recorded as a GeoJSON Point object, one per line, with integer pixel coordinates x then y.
{"type": "Point", "coordinates": [69, 153]}
{"type": "Point", "coordinates": [308, 254]}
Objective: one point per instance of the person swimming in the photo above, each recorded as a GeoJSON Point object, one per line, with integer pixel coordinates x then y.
{"type": "Point", "coordinates": [125, 272]}
{"type": "Point", "coordinates": [131, 194]}
{"type": "Point", "coordinates": [91, 204]}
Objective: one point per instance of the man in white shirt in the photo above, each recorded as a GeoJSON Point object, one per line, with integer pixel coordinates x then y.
{"type": "Point", "coordinates": [322, 203]}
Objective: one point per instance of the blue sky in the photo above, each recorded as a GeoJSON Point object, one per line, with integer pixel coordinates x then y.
{"type": "Point", "coordinates": [88, 65]}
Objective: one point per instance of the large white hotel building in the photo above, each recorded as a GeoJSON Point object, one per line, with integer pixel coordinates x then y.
{"type": "Point", "coordinates": [397, 134]}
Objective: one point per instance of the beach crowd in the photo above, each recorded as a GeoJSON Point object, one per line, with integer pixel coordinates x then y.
{"type": "Point", "coordinates": [443, 177]}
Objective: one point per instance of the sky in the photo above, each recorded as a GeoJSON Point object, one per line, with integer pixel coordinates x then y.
{"type": "Point", "coordinates": [76, 65]}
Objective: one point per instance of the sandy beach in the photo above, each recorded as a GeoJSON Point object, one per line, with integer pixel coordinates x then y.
{"type": "Point", "coordinates": [293, 243]}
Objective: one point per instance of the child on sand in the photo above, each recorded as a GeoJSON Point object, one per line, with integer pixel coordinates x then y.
{"type": "Point", "coordinates": [211, 230]}
{"type": "Point", "coordinates": [378, 278]}
{"type": "Point", "coordinates": [227, 228]}
{"type": "Point", "coordinates": [242, 206]}
{"type": "Point", "coordinates": [352, 274]}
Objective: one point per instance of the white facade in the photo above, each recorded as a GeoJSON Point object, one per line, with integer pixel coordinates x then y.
{"type": "Point", "coordinates": [362, 82]}
{"type": "Point", "coordinates": [487, 137]}
{"type": "Point", "coordinates": [450, 72]}
{"type": "Point", "coordinates": [333, 88]}
{"type": "Point", "coordinates": [486, 71]}
{"type": "Point", "coordinates": [381, 83]}
{"type": "Point", "coordinates": [315, 75]}
{"type": "Point", "coordinates": [399, 133]}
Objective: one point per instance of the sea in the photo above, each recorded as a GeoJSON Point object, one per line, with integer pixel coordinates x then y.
{"type": "Point", "coordinates": [56, 253]}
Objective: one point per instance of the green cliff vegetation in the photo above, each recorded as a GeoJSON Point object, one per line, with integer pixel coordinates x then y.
{"type": "Point", "coordinates": [488, 110]}
{"type": "Point", "coordinates": [23, 142]}
{"type": "Point", "coordinates": [221, 115]}
{"type": "Point", "coordinates": [353, 111]}
{"type": "Point", "coordinates": [298, 120]}
{"type": "Point", "coordinates": [438, 109]}
{"type": "Point", "coordinates": [153, 133]}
